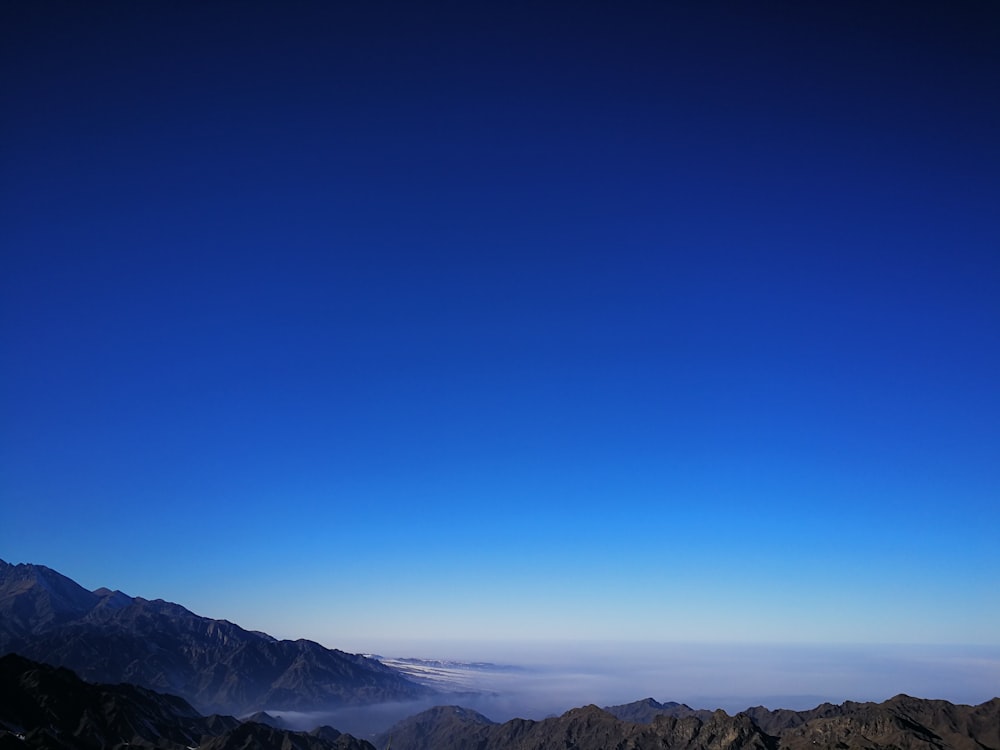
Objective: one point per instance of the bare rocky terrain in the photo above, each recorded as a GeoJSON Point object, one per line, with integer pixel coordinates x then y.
{"type": "Point", "coordinates": [901, 723]}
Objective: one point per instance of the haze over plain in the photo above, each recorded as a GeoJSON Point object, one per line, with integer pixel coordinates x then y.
{"type": "Point", "coordinates": [444, 327]}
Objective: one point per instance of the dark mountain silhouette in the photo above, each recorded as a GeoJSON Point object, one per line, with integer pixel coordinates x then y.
{"type": "Point", "coordinates": [166, 650]}
{"type": "Point", "coordinates": [782, 719]}
{"type": "Point", "coordinates": [587, 728]}
{"type": "Point", "coordinates": [252, 736]}
{"type": "Point", "coordinates": [902, 723]}
{"type": "Point", "coordinates": [644, 711]}
{"type": "Point", "coordinates": [436, 727]}
{"type": "Point", "coordinates": [52, 707]}
{"type": "Point", "coordinates": [107, 636]}
{"type": "Point", "coordinates": [262, 717]}
{"type": "Point", "coordinates": [48, 707]}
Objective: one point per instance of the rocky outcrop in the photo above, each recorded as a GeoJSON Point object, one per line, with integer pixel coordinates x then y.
{"type": "Point", "coordinates": [902, 723]}
{"type": "Point", "coordinates": [586, 728]}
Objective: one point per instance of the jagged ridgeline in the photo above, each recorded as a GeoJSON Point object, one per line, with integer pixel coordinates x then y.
{"type": "Point", "coordinates": [902, 723]}
{"type": "Point", "coordinates": [47, 707]}
{"type": "Point", "coordinates": [157, 675]}
{"type": "Point", "coordinates": [107, 636]}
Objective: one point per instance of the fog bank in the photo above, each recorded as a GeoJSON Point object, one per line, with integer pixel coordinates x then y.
{"type": "Point", "coordinates": [538, 680]}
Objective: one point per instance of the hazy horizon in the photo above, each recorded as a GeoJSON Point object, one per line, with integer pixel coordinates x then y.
{"type": "Point", "coordinates": [726, 675]}
{"type": "Point", "coordinates": [537, 678]}
{"type": "Point", "coordinates": [550, 679]}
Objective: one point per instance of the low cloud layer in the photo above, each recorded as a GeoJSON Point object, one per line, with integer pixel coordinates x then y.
{"type": "Point", "coordinates": [548, 680]}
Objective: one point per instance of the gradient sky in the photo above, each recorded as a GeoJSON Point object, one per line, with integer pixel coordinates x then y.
{"type": "Point", "coordinates": [638, 321]}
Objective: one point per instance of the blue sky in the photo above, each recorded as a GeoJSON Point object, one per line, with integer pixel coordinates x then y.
{"type": "Point", "coordinates": [509, 322]}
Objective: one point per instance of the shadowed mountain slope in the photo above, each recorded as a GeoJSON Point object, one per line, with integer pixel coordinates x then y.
{"type": "Point", "coordinates": [107, 636]}
{"type": "Point", "coordinates": [52, 707]}
{"type": "Point", "coordinates": [49, 707]}
{"type": "Point", "coordinates": [644, 711]}
{"type": "Point", "coordinates": [435, 727]}
{"type": "Point", "coordinates": [586, 728]}
{"type": "Point", "coordinates": [252, 736]}
{"type": "Point", "coordinates": [902, 723]}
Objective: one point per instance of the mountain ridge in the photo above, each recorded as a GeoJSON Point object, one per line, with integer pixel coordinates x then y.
{"type": "Point", "coordinates": [646, 710]}
{"type": "Point", "coordinates": [51, 707]}
{"type": "Point", "coordinates": [900, 723]}
{"type": "Point", "coordinates": [169, 666]}
{"type": "Point", "coordinates": [106, 636]}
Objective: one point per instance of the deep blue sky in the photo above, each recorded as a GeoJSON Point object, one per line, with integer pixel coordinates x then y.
{"type": "Point", "coordinates": [377, 322]}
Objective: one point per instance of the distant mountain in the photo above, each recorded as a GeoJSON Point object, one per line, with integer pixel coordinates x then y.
{"type": "Point", "coordinates": [437, 727]}
{"type": "Point", "coordinates": [456, 677]}
{"type": "Point", "coordinates": [251, 736]}
{"type": "Point", "coordinates": [902, 723]}
{"type": "Point", "coordinates": [109, 637]}
{"type": "Point", "coordinates": [644, 711]}
{"type": "Point", "coordinates": [587, 728]}
{"type": "Point", "coordinates": [47, 707]}
{"type": "Point", "coordinates": [262, 717]}
{"type": "Point", "coordinates": [777, 721]}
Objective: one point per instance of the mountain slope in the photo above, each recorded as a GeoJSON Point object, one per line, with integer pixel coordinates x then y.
{"type": "Point", "coordinates": [48, 707]}
{"type": "Point", "coordinates": [902, 723]}
{"type": "Point", "coordinates": [645, 711]}
{"type": "Point", "coordinates": [34, 598]}
{"type": "Point", "coordinates": [251, 736]}
{"type": "Point", "coordinates": [434, 728]}
{"type": "Point", "coordinates": [586, 728]}
{"type": "Point", "coordinates": [107, 636]}
{"type": "Point", "coordinates": [52, 707]}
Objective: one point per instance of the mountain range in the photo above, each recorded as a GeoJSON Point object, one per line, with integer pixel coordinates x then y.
{"type": "Point", "coordinates": [106, 636]}
{"type": "Point", "coordinates": [100, 669]}
{"type": "Point", "coordinates": [47, 707]}
{"type": "Point", "coordinates": [901, 723]}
